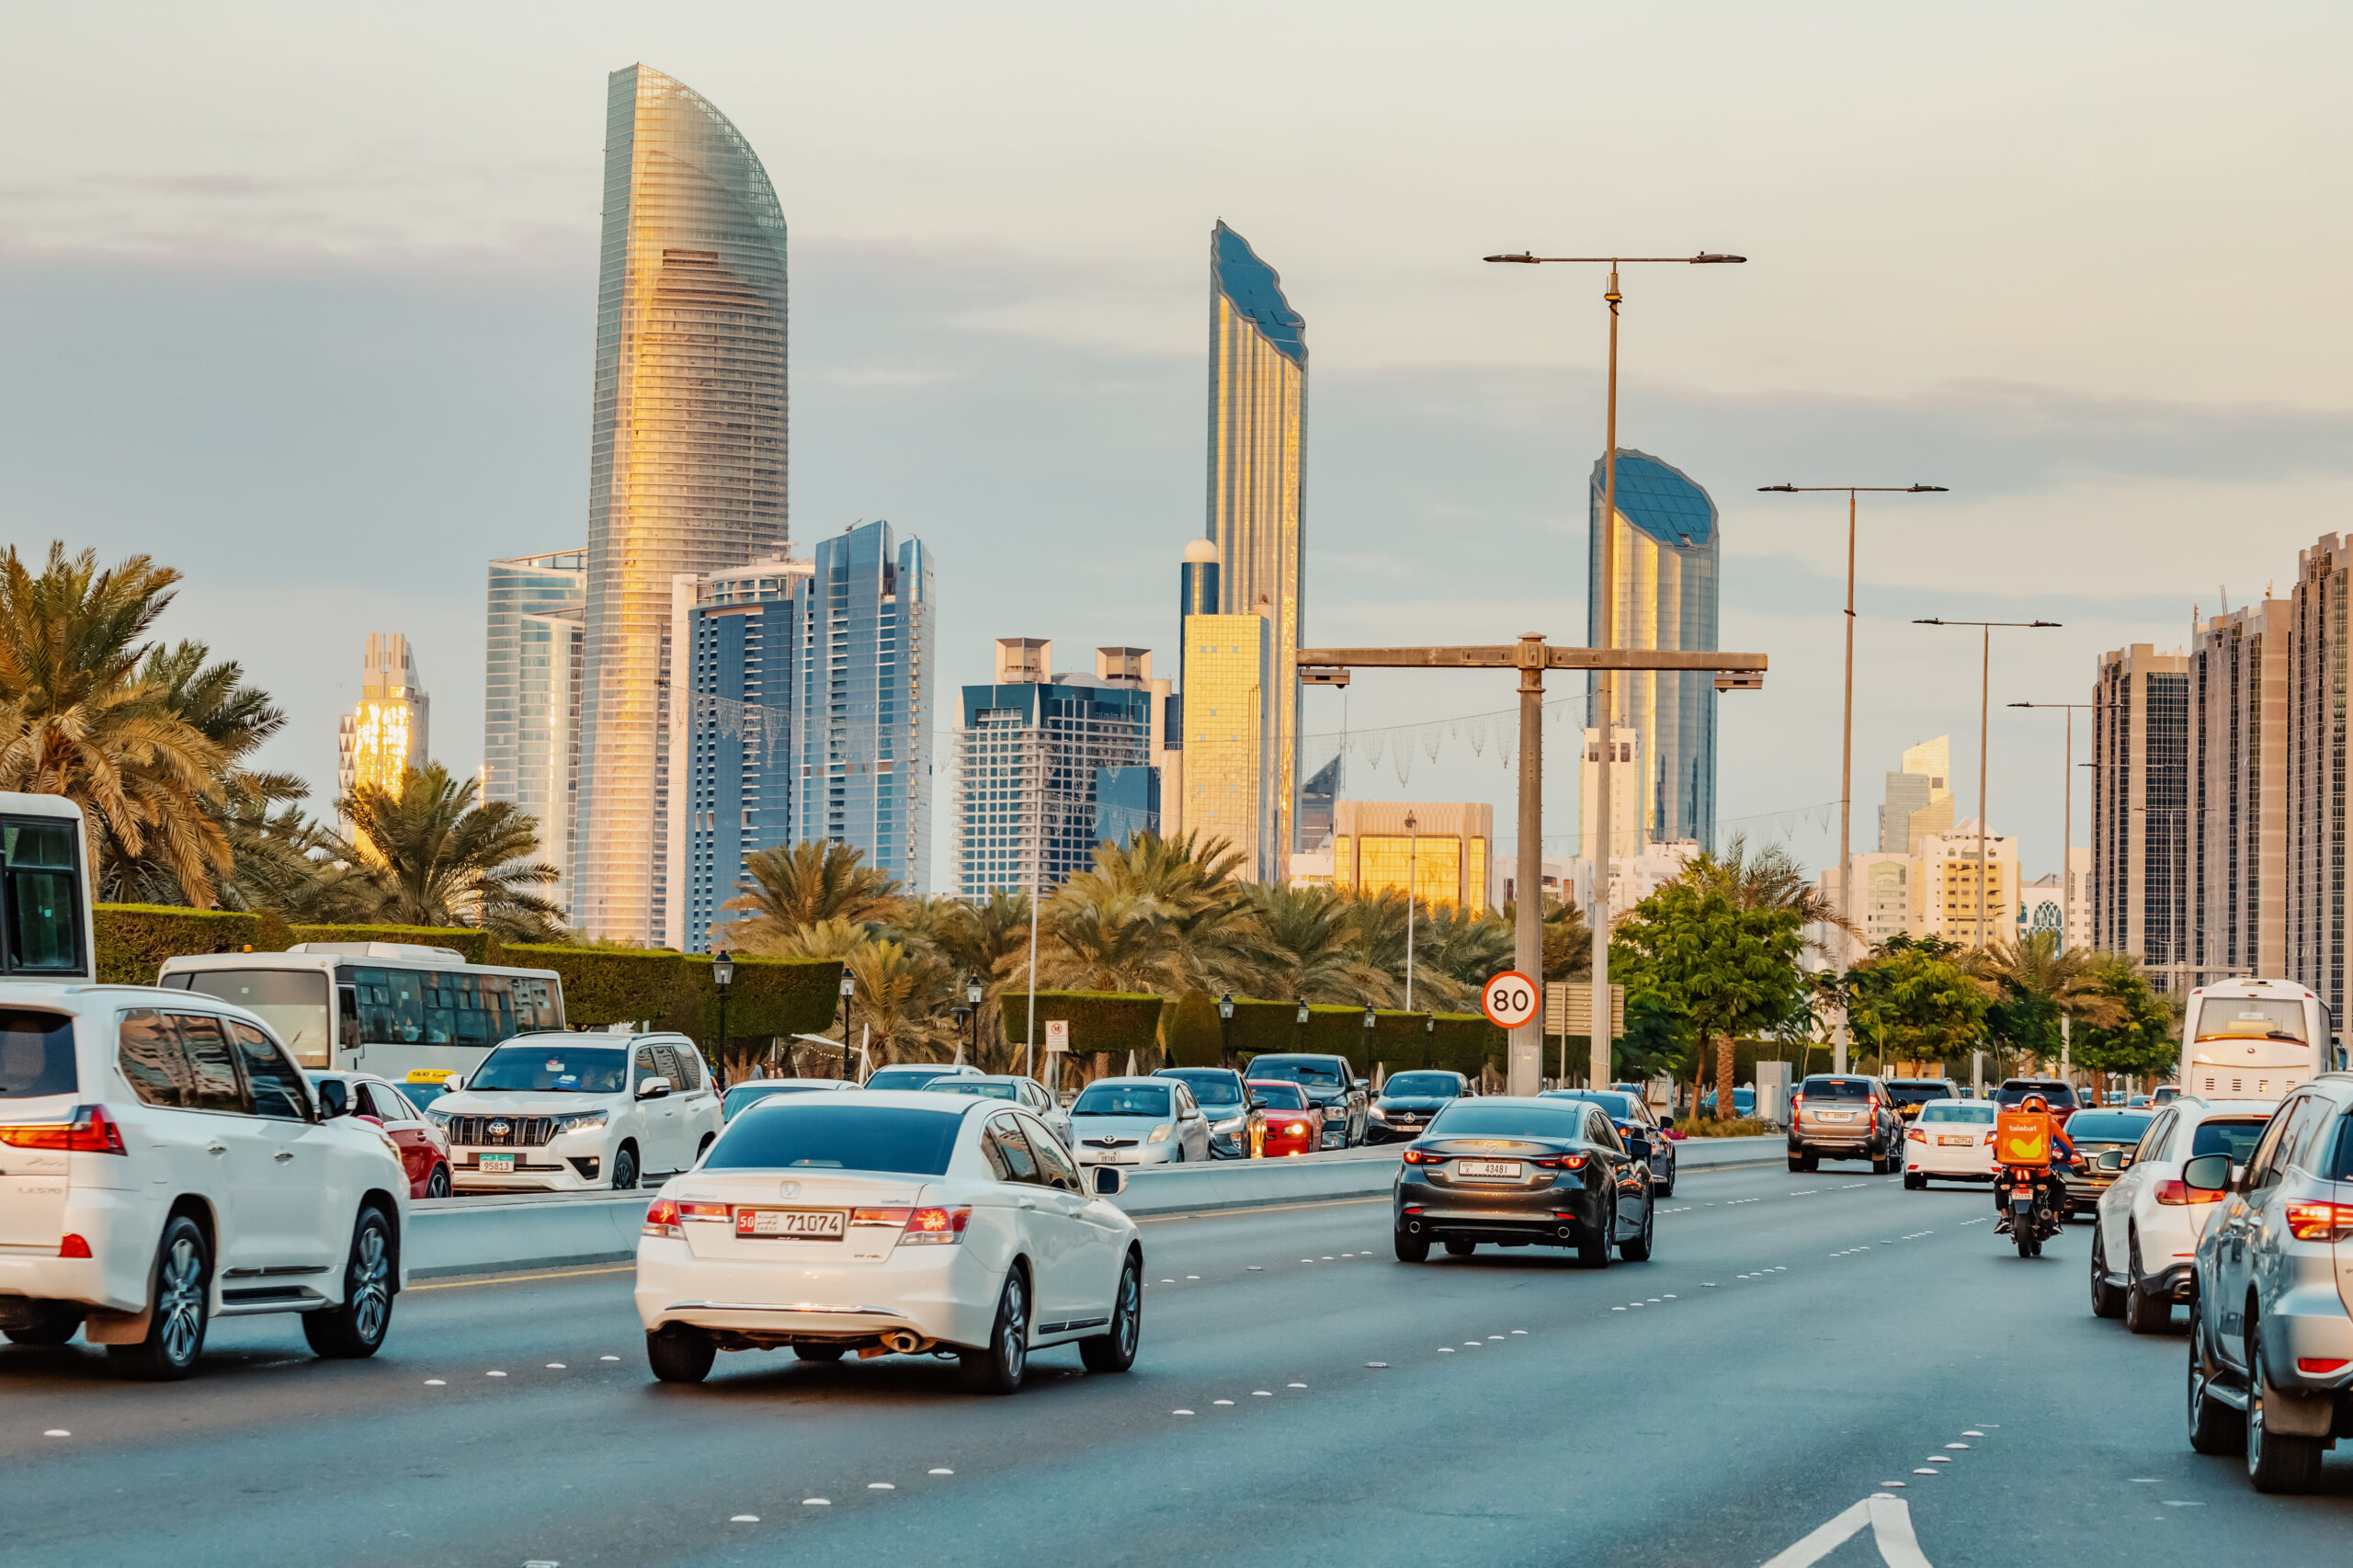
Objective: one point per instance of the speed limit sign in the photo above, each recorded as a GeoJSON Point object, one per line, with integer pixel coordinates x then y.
{"type": "Point", "coordinates": [1509, 999]}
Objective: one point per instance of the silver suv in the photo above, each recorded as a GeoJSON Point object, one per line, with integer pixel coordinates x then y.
{"type": "Point", "coordinates": [2270, 1332]}
{"type": "Point", "coordinates": [1846, 1116]}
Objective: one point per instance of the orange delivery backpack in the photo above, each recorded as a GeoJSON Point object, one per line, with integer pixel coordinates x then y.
{"type": "Point", "coordinates": [2022, 1137]}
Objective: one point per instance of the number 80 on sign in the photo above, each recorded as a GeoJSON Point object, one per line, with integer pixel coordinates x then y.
{"type": "Point", "coordinates": [1509, 1000]}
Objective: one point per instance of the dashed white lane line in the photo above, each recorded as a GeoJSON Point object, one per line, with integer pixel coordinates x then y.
{"type": "Point", "coordinates": [1924, 1471]}
{"type": "Point", "coordinates": [1180, 1413]}
{"type": "Point", "coordinates": [743, 1518]}
{"type": "Point", "coordinates": [1378, 1364]}
{"type": "Point", "coordinates": [1257, 1268]}
{"type": "Point", "coordinates": [1972, 1433]}
{"type": "Point", "coordinates": [1220, 1401]}
{"type": "Point", "coordinates": [816, 1502]}
{"type": "Point", "coordinates": [1196, 1276]}
{"type": "Point", "coordinates": [882, 1485]}
{"type": "Point", "coordinates": [57, 1432]}
{"type": "Point", "coordinates": [502, 1374]}
{"type": "Point", "coordinates": [558, 1366]}
{"type": "Point", "coordinates": [607, 1357]}
{"type": "Point", "coordinates": [436, 1382]}
{"type": "Point", "coordinates": [1303, 1385]}
{"type": "Point", "coordinates": [943, 1473]}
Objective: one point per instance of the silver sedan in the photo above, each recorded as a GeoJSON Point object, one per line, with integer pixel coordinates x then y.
{"type": "Point", "coordinates": [1026, 1093]}
{"type": "Point", "coordinates": [1138, 1122]}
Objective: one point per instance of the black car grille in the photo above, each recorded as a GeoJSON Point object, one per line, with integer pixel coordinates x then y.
{"type": "Point", "coordinates": [521, 1132]}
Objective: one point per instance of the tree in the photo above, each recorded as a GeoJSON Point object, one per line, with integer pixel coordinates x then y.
{"type": "Point", "coordinates": [900, 986]}
{"type": "Point", "coordinates": [2045, 990]}
{"type": "Point", "coordinates": [1724, 969]}
{"type": "Point", "coordinates": [796, 885]}
{"type": "Point", "coordinates": [439, 858]}
{"type": "Point", "coordinates": [1913, 998]}
{"type": "Point", "coordinates": [989, 942]}
{"type": "Point", "coordinates": [1310, 946]}
{"type": "Point", "coordinates": [2146, 1038]}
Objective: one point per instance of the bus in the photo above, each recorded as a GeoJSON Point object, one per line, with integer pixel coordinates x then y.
{"type": "Point", "coordinates": [45, 916]}
{"type": "Point", "coordinates": [400, 1011]}
{"type": "Point", "coordinates": [2252, 1040]}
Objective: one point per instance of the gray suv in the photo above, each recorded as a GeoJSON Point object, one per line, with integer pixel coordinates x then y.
{"type": "Point", "coordinates": [2270, 1333]}
{"type": "Point", "coordinates": [1845, 1116]}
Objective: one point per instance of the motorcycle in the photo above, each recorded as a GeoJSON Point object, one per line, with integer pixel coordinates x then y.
{"type": "Point", "coordinates": [2036, 1203]}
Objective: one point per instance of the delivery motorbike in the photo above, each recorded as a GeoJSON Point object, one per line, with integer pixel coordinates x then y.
{"type": "Point", "coordinates": [2036, 1200]}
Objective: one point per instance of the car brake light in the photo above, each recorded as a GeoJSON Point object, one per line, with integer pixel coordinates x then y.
{"type": "Point", "coordinates": [702, 1210]}
{"type": "Point", "coordinates": [2320, 1222]}
{"type": "Point", "coordinates": [935, 1227]}
{"type": "Point", "coordinates": [1797, 1099]}
{"type": "Point", "coordinates": [2172, 1194]}
{"type": "Point", "coordinates": [73, 1246]}
{"type": "Point", "coordinates": [1916, 1136]}
{"type": "Point", "coordinates": [2318, 1364]}
{"type": "Point", "coordinates": [662, 1218]}
{"type": "Point", "coordinates": [894, 1217]}
{"type": "Point", "coordinates": [91, 1131]}
{"type": "Point", "coordinates": [1423, 1157]}
{"type": "Point", "coordinates": [1565, 1163]}
{"type": "Point", "coordinates": [1874, 1099]}
{"type": "Point", "coordinates": [1989, 1139]}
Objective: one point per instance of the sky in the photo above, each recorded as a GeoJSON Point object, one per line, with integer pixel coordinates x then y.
{"type": "Point", "coordinates": [299, 300]}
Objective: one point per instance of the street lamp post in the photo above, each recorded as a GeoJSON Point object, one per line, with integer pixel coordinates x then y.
{"type": "Point", "coordinates": [1225, 1028]}
{"type": "Point", "coordinates": [974, 992]}
{"type": "Point", "coordinates": [1430, 1036]}
{"type": "Point", "coordinates": [1531, 869]}
{"type": "Point", "coordinates": [1302, 1026]}
{"type": "Point", "coordinates": [1846, 741]}
{"type": "Point", "coordinates": [1410, 845]}
{"type": "Point", "coordinates": [849, 1014]}
{"type": "Point", "coordinates": [722, 975]}
{"type": "Point", "coordinates": [1984, 711]}
{"type": "Point", "coordinates": [1370, 1023]}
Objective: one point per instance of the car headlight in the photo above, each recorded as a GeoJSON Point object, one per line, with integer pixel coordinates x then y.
{"type": "Point", "coordinates": [440, 1119]}
{"type": "Point", "coordinates": [581, 1121]}
{"type": "Point", "coordinates": [1160, 1133]}
{"type": "Point", "coordinates": [1379, 1114]}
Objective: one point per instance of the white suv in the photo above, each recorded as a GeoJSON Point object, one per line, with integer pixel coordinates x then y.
{"type": "Point", "coordinates": [2149, 1220]}
{"type": "Point", "coordinates": [162, 1164]}
{"type": "Point", "coordinates": [568, 1112]}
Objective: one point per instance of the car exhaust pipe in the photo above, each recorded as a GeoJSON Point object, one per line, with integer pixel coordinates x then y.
{"type": "Point", "coordinates": [1566, 1231]}
{"type": "Point", "coordinates": [1413, 1227]}
{"type": "Point", "coordinates": [905, 1342]}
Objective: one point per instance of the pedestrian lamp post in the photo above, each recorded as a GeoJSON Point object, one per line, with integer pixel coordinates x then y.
{"type": "Point", "coordinates": [1369, 1024]}
{"type": "Point", "coordinates": [1302, 1026]}
{"type": "Point", "coordinates": [849, 1012]}
{"type": "Point", "coordinates": [1430, 1036]}
{"type": "Point", "coordinates": [722, 975]}
{"type": "Point", "coordinates": [1410, 845]}
{"type": "Point", "coordinates": [1225, 1028]}
{"type": "Point", "coordinates": [1984, 708]}
{"type": "Point", "coordinates": [974, 992]}
{"type": "Point", "coordinates": [1847, 742]}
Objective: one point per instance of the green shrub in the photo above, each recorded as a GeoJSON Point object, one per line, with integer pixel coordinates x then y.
{"type": "Point", "coordinates": [475, 946]}
{"type": "Point", "coordinates": [1116, 1022]}
{"type": "Point", "coordinates": [1188, 1031]}
{"type": "Point", "coordinates": [133, 939]}
{"type": "Point", "coordinates": [608, 986]}
{"type": "Point", "coordinates": [1461, 1042]}
{"type": "Point", "coordinates": [767, 997]}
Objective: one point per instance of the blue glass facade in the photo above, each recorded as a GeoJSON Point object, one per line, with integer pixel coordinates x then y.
{"type": "Point", "coordinates": [1030, 758]}
{"type": "Point", "coordinates": [1127, 802]}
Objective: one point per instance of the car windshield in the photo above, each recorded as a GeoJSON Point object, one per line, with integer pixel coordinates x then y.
{"type": "Point", "coordinates": [742, 1094]}
{"type": "Point", "coordinates": [1316, 1074]}
{"type": "Point", "coordinates": [980, 1088]}
{"type": "Point", "coordinates": [2250, 1017]}
{"type": "Point", "coordinates": [2061, 1097]}
{"type": "Point", "coordinates": [1978, 1115]}
{"type": "Point", "coordinates": [1281, 1096]}
{"type": "Point", "coordinates": [1620, 1107]}
{"type": "Point", "coordinates": [554, 1068]}
{"type": "Point", "coordinates": [35, 1055]}
{"type": "Point", "coordinates": [2235, 1137]}
{"type": "Point", "coordinates": [1423, 1086]}
{"type": "Point", "coordinates": [2107, 1125]}
{"type": "Point", "coordinates": [907, 1077]}
{"type": "Point", "coordinates": [1122, 1099]}
{"type": "Point", "coordinates": [1835, 1088]}
{"type": "Point", "coordinates": [1473, 1118]}
{"type": "Point", "coordinates": [1210, 1085]}
{"type": "Point", "coordinates": [821, 1133]}
{"type": "Point", "coordinates": [1918, 1093]}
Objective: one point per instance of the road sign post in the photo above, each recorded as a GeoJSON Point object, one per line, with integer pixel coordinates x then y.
{"type": "Point", "coordinates": [1509, 1000]}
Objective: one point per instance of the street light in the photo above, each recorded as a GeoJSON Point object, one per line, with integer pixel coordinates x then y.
{"type": "Point", "coordinates": [1984, 710]}
{"type": "Point", "coordinates": [723, 974]}
{"type": "Point", "coordinates": [1303, 1025]}
{"type": "Point", "coordinates": [1430, 1036]}
{"type": "Point", "coordinates": [1410, 845]}
{"type": "Point", "coordinates": [1531, 867]}
{"type": "Point", "coordinates": [849, 1011]}
{"type": "Point", "coordinates": [1225, 1028]}
{"type": "Point", "coordinates": [1368, 1025]}
{"type": "Point", "coordinates": [974, 992]}
{"type": "Point", "coordinates": [1847, 744]}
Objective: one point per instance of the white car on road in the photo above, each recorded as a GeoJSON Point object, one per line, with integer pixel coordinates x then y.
{"type": "Point", "coordinates": [572, 1112]}
{"type": "Point", "coordinates": [1951, 1141]}
{"type": "Point", "coordinates": [2149, 1222]}
{"type": "Point", "coordinates": [1138, 1122]}
{"type": "Point", "coordinates": [879, 1221]}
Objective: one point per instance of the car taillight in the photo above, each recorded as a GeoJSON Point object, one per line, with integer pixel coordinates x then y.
{"type": "Point", "coordinates": [1989, 1138]}
{"type": "Point", "coordinates": [1563, 1162]}
{"type": "Point", "coordinates": [935, 1227]}
{"type": "Point", "coordinates": [2320, 1222]}
{"type": "Point", "coordinates": [73, 1246]}
{"type": "Point", "coordinates": [2319, 1365]}
{"type": "Point", "coordinates": [91, 1131]}
{"type": "Point", "coordinates": [1796, 1100]}
{"type": "Point", "coordinates": [702, 1210]}
{"type": "Point", "coordinates": [1423, 1157]}
{"type": "Point", "coordinates": [1874, 1099]}
{"type": "Point", "coordinates": [2172, 1194]}
{"type": "Point", "coordinates": [892, 1216]}
{"type": "Point", "coordinates": [662, 1218]}
{"type": "Point", "coordinates": [1916, 1136]}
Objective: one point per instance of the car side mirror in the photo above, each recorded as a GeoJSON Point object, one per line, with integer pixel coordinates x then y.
{"type": "Point", "coordinates": [1364, 1083]}
{"type": "Point", "coordinates": [2113, 1160]}
{"type": "Point", "coordinates": [2207, 1173]}
{"type": "Point", "coordinates": [1639, 1148]}
{"type": "Point", "coordinates": [1258, 1103]}
{"type": "Point", "coordinates": [653, 1088]}
{"type": "Point", "coordinates": [1109, 1181]}
{"type": "Point", "coordinates": [1665, 1122]}
{"type": "Point", "coordinates": [334, 1099]}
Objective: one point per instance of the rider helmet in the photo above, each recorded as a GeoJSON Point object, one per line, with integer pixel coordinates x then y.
{"type": "Point", "coordinates": [2035, 1102]}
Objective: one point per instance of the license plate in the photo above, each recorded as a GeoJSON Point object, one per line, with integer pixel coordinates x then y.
{"type": "Point", "coordinates": [1492, 1169]}
{"type": "Point", "coordinates": [1838, 1116]}
{"type": "Point", "coordinates": [498, 1162]}
{"type": "Point", "coordinates": [1961, 1142]}
{"type": "Point", "coordinates": [798, 1225]}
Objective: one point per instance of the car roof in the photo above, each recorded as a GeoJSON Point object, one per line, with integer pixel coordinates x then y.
{"type": "Point", "coordinates": [910, 1099]}
{"type": "Point", "coordinates": [1122, 1082]}
{"type": "Point", "coordinates": [593, 1036]}
{"type": "Point", "coordinates": [1296, 1056]}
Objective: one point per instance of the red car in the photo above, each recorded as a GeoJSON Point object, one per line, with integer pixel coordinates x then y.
{"type": "Point", "coordinates": [424, 1151]}
{"type": "Point", "coordinates": [1288, 1123]}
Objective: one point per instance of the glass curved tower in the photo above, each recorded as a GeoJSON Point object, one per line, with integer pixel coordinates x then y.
{"type": "Point", "coordinates": [1666, 566]}
{"type": "Point", "coordinates": [1258, 491]}
{"type": "Point", "coordinates": [686, 453]}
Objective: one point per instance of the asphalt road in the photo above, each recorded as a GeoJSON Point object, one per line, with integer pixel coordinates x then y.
{"type": "Point", "coordinates": [1798, 1342]}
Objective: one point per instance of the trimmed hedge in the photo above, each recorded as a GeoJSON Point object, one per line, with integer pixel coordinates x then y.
{"type": "Point", "coordinates": [133, 939]}
{"type": "Point", "coordinates": [1189, 1032]}
{"type": "Point", "coordinates": [1461, 1042]}
{"type": "Point", "coordinates": [475, 946]}
{"type": "Point", "coordinates": [767, 997]}
{"type": "Point", "coordinates": [1099, 1020]}
{"type": "Point", "coordinates": [607, 985]}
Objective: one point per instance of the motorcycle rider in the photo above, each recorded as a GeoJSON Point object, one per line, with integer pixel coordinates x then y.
{"type": "Point", "coordinates": [2062, 1153]}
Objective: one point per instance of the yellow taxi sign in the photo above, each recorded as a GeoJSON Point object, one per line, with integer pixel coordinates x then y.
{"type": "Point", "coordinates": [429, 1074]}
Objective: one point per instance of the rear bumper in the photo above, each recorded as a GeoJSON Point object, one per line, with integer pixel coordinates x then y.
{"type": "Point", "coordinates": [2308, 1323]}
{"type": "Point", "coordinates": [2178, 1283]}
{"type": "Point", "coordinates": [1550, 1216]}
{"type": "Point", "coordinates": [122, 1228]}
{"type": "Point", "coordinates": [945, 1293]}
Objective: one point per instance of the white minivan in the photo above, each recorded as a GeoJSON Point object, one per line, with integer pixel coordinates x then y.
{"type": "Point", "coordinates": [162, 1161]}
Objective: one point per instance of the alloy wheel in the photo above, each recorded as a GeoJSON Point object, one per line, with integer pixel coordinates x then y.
{"type": "Point", "coordinates": [180, 1301]}
{"type": "Point", "coordinates": [370, 1294]}
{"type": "Point", "coordinates": [1013, 1348]}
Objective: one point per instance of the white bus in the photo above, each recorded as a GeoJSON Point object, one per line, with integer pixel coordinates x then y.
{"type": "Point", "coordinates": [45, 919]}
{"type": "Point", "coordinates": [2252, 1040]}
{"type": "Point", "coordinates": [396, 1009]}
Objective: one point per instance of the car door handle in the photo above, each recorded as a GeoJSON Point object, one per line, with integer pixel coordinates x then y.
{"type": "Point", "coordinates": [1026, 1202]}
{"type": "Point", "coordinates": [283, 1155]}
{"type": "Point", "coordinates": [217, 1149]}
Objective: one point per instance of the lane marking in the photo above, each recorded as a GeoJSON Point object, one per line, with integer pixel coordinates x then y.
{"type": "Point", "coordinates": [468, 1284]}
{"type": "Point", "coordinates": [1888, 1519]}
{"type": "Point", "coordinates": [816, 1502]}
{"type": "Point", "coordinates": [755, 1519]}
{"type": "Point", "coordinates": [943, 1473]}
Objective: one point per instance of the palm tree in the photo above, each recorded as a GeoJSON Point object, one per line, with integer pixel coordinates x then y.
{"type": "Point", "coordinates": [2049, 978]}
{"type": "Point", "coordinates": [440, 859]}
{"type": "Point", "coordinates": [1769, 878]}
{"type": "Point", "coordinates": [1204, 932]}
{"type": "Point", "coordinates": [1310, 946]}
{"type": "Point", "coordinates": [1456, 950]}
{"type": "Point", "coordinates": [900, 988]}
{"type": "Point", "coordinates": [79, 718]}
{"type": "Point", "coordinates": [991, 942]}
{"type": "Point", "coordinates": [794, 885]}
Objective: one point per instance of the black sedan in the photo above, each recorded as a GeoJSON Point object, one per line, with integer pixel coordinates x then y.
{"type": "Point", "coordinates": [2093, 1133]}
{"type": "Point", "coordinates": [1633, 1119]}
{"type": "Point", "coordinates": [1515, 1172]}
{"type": "Point", "coordinates": [1407, 1102]}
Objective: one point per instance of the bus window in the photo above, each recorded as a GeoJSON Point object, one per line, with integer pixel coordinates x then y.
{"type": "Point", "coordinates": [2250, 1017]}
{"type": "Point", "coordinates": [293, 1002]}
{"type": "Point", "coordinates": [535, 1007]}
{"type": "Point", "coordinates": [37, 862]}
{"type": "Point", "coordinates": [497, 1006]}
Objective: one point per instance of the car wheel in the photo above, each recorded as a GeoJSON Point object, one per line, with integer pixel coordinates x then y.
{"type": "Point", "coordinates": [704, 1147]}
{"type": "Point", "coordinates": [1594, 1251]}
{"type": "Point", "coordinates": [2276, 1461]}
{"type": "Point", "coordinates": [356, 1328]}
{"type": "Point", "coordinates": [998, 1367]}
{"type": "Point", "coordinates": [1668, 1190]}
{"type": "Point", "coordinates": [1460, 1246]}
{"type": "Point", "coordinates": [1116, 1351]}
{"type": "Point", "coordinates": [2144, 1313]}
{"type": "Point", "coordinates": [183, 1305]}
{"type": "Point", "coordinates": [1914, 1181]}
{"type": "Point", "coordinates": [437, 1184]}
{"type": "Point", "coordinates": [1413, 1249]}
{"type": "Point", "coordinates": [1639, 1249]}
{"type": "Point", "coordinates": [54, 1323]}
{"type": "Point", "coordinates": [625, 1167]}
{"type": "Point", "coordinates": [2214, 1428]}
{"type": "Point", "coordinates": [679, 1352]}
{"type": "Point", "coordinates": [2107, 1301]}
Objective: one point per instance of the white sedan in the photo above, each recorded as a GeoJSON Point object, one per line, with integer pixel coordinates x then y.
{"type": "Point", "coordinates": [2149, 1221]}
{"type": "Point", "coordinates": [1952, 1140]}
{"type": "Point", "coordinates": [886, 1223]}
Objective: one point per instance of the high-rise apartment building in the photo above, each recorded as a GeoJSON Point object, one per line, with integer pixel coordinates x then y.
{"type": "Point", "coordinates": [1258, 499]}
{"type": "Point", "coordinates": [2140, 809]}
{"type": "Point", "coordinates": [1232, 743]}
{"type": "Point", "coordinates": [1626, 835]}
{"type": "Point", "coordinates": [1666, 552]}
{"type": "Point", "coordinates": [531, 676]}
{"type": "Point", "coordinates": [1944, 887]}
{"type": "Point", "coordinates": [2320, 730]}
{"type": "Point", "coordinates": [686, 454]}
{"type": "Point", "coordinates": [2238, 793]}
{"type": "Point", "coordinates": [387, 733]}
{"type": "Point", "coordinates": [1442, 849]}
{"type": "Point", "coordinates": [1036, 751]}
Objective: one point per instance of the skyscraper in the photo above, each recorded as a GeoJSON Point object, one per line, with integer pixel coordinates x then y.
{"type": "Point", "coordinates": [1920, 798]}
{"type": "Point", "coordinates": [686, 453]}
{"type": "Point", "coordinates": [2320, 731]}
{"type": "Point", "coordinates": [1258, 495]}
{"type": "Point", "coordinates": [530, 725]}
{"type": "Point", "coordinates": [388, 730]}
{"type": "Point", "coordinates": [2140, 809]}
{"type": "Point", "coordinates": [1231, 768]}
{"type": "Point", "coordinates": [1666, 560]}
{"type": "Point", "coordinates": [2238, 793]}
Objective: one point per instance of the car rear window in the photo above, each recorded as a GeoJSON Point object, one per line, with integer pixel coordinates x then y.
{"type": "Point", "coordinates": [1468, 1119]}
{"type": "Point", "coordinates": [2235, 1137]}
{"type": "Point", "coordinates": [906, 1078]}
{"type": "Point", "coordinates": [1122, 1099]}
{"type": "Point", "coordinates": [2107, 1125]}
{"type": "Point", "coordinates": [1918, 1093]}
{"type": "Point", "coordinates": [1424, 1085]}
{"type": "Point", "coordinates": [2059, 1096]}
{"type": "Point", "coordinates": [1618, 1106]}
{"type": "Point", "coordinates": [1835, 1089]}
{"type": "Point", "coordinates": [1945, 1110]}
{"type": "Point", "coordinates": [742, 1094]}
{"type": "Point", "coordinates": [1315, 1073]}
{"type": "Point", "coordinates": [802, 1134]}
{"type": "Point", "coordinates": [36, 1054]}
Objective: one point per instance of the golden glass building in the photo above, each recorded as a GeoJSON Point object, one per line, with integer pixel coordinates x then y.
{"type": "Point", "coordinates": [1230, 773]}
{"type": "Point", "coordinates": [1443, 854]}
{"type": "Point", "coordinates": [686, 454]}
{"type": "Point", "coordinates": [388, 731]}
{"type": "Point", "coordinates": [1258, 492]}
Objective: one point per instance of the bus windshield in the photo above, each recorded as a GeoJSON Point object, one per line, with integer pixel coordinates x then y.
{"type": "Point", "coordinates": [292, 1002]}
{"type": "Point", "coordinates": [2251, 1017]}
